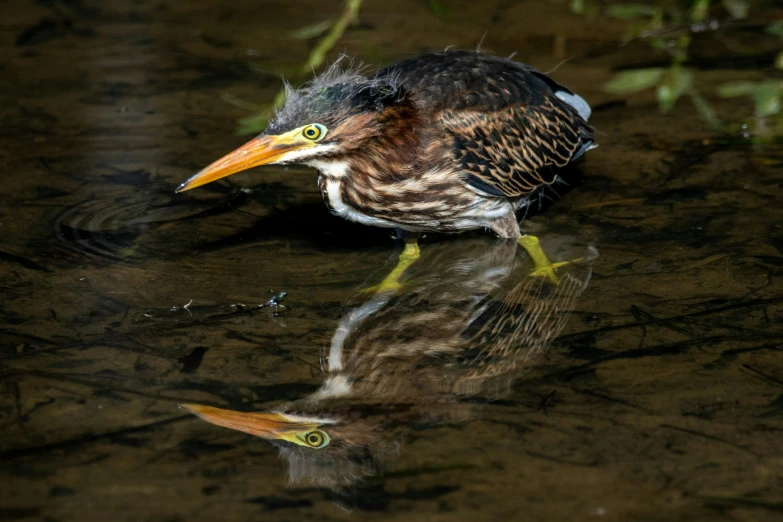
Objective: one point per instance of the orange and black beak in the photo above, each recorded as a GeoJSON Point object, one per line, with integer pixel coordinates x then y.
{"type": "Point", "coordinates": [262, 150]}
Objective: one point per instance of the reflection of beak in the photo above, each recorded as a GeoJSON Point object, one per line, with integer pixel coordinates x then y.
{"type": "Point", "coordinates": [266, 425]}
{"type": "Point", "coordinates": [259, 151]}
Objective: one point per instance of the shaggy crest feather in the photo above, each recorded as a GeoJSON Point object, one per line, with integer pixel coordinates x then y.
{"type": "Point", "coordinates": [350, 77]}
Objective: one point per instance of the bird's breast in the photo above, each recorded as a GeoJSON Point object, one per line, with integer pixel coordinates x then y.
{"type": "Point", "coordinates": [339, 203]}
{"type": "Point", "coordinates": [331, 169]}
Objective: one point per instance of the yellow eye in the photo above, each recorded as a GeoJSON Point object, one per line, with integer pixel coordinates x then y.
{"type": "Point", "coordinates": [314, 132]}
{"type": "Point", "coordinates": [316, 439]}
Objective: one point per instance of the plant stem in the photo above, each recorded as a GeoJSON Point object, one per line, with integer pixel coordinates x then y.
{"type": "Point", "coordinates": [317, 56]}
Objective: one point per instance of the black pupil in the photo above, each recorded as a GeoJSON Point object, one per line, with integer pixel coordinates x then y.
{"type": "Point", "coordinates": [313, 439]}
{"type": "Point", "coordinates": [311, 132]}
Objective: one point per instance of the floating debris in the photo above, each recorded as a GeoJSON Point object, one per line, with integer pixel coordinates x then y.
{"type": "Point", "coordinates": [275, 301]}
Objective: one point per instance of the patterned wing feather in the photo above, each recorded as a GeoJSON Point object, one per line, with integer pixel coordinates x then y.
{"type": "Point", "coordinates": [512, 151]}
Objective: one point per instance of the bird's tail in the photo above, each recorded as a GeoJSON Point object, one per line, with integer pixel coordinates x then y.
{"type": "Point", "coordinates": [577, 102]}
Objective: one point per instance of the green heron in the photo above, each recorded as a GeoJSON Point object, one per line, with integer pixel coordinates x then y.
{"type": "Point", "coordinates": [443, 142]}
{"type": "Point", "coordinates": [470, 320]}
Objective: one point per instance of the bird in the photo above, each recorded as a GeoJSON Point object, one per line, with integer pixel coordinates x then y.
{"type": "Point", "coordinates": [442, 142]}
{"type": "Point", "coordinates": [470, 321]}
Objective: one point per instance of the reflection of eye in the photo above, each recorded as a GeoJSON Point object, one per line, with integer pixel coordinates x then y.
{"type": "Point", "coordinates": [314, 132]}
{"type": "Point", "coordinates": [315, 439]}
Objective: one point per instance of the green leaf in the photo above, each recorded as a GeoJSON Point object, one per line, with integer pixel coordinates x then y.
{"type": "Point", "coordinates": [738, 9]}
{"type": "Point", "coordinates": [765, 95]}
{"type": "Point", "coordinates": [578, 6]}
{"type": "Point", "coordinates": [630, 11]}
{"type": "Point", "coordinates": [438, 8]}
{"type": "Point", "coordinates": [634, 80]}
{"type": "Point", "coordinates": [660, 44]}
{"type": "Point", "coordinates": [699, 10]}
{"type": "Point", "coordinates": [775, 28]}
{"type": "Point", "coordinates": [676, 83]}
{"type": "Point", "coordinates": [311, 31]}
{"type": "Point", "coordinates": [127, 252]}
{"type": "Point", "coordinates": [734, 89]}
{"type": "Point", "coordinates": [766, 99]}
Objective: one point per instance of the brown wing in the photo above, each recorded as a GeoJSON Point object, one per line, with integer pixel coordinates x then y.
{"type": "Point", "coordinates": [512, 151]}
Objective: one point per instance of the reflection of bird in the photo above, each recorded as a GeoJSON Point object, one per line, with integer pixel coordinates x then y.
{"type": "Point", "coordinates": [469, 320]}
{"type": "Point", "coordinates": [442, 142]}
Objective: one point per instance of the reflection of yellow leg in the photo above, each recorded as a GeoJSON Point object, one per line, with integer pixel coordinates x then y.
{"type": "Point", "coordinates": [391, 283]}
{"type": "Point", "coordinates": [544, 267]}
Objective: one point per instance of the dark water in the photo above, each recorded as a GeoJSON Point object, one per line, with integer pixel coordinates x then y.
{"type": "Point", "coordinates": [646, 385]}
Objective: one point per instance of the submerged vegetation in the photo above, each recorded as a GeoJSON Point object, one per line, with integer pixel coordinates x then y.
{"type": "Point", "coordinates": [669, 27]}
{"type": "Point", "coordinates": [328, 32]}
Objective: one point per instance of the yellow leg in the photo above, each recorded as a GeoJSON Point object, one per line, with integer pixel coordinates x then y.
{"type": "Point", "coordinates": [391, 283]}
{"type": "Point", "coordinates": [544, 267]}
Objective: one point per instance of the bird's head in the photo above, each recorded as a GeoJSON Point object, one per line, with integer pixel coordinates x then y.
{"type": "Point", "coordinates": [307, 432]}
{"type": "Point", "coordinates": [329, 449]}
{"type": "Point", "coordinates": [334, 116]}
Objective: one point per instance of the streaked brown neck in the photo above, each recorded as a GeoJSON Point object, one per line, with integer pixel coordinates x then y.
{"type": "Point", "coordinates": [395, 152]}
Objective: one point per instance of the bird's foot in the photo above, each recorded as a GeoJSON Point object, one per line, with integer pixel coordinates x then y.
{"type": "Point", "coordinates": [391, 283]}
{"type": "Point", "coordinates": [543, 266]}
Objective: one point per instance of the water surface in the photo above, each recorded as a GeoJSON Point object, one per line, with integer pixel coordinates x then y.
{"type": "Point", "coordinates": [647, 385]}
